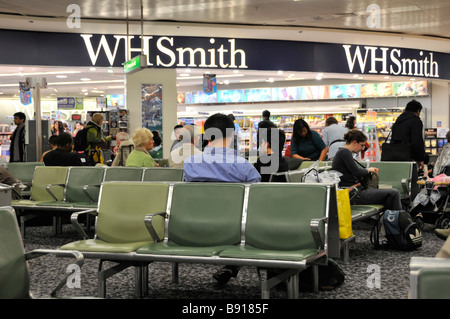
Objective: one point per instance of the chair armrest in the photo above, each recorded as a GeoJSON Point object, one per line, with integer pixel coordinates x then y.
{"type": "Point", "coordinates": [85, 190]}
{"type": "Point", "coordinates": [149, 224]}
{"type": "Point", "coordinates": [76, 224]}
{"type": "Point", "coordinates": [405, 185]}
{"type": "Point", "coordinates": [315, 231]}
{"type": "Point", "coordinates": [51, 193]}
{"type": "Point", "coordinates": [61, 253]}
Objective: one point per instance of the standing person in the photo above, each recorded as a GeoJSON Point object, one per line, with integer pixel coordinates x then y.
{"type": "Point", "coordinates": [95, 139]}
{"type": "Point", "coordinates": [143, 143]}
{"type": "Point", "coordinates": [220, 163]}
{"type": "Point", "coordinates": [17, 147]}
{"type": "Point", "coordinates": [78, 127]}
{"type": "Point", "coordinates": [333, 136]}
{"type": "Point", "coordinates": [408, 128]}
{"type": "Point", "coordinates": [63, 154]}
{"type": "Point", "coordinates": [352, 174]}
{"type": "Point", "coordinates": [351, 123]}
{"type": "Point", "coordinates": [270, 158]}
{"type": "Point", "coordinates": [58, 128]}
{"type": "Point", "coordinates": [307, 144]}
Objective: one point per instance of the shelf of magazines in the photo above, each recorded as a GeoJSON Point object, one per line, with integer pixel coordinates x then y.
{"type": "Point", "coordinates": [373, 153]}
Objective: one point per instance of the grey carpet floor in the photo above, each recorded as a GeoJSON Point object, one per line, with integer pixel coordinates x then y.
{"type": "Point", "coordinates": [196, 280]}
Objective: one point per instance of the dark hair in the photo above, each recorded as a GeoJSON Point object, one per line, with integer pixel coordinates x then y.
{"type": "Point", "coordinates": [63, 139]}
{"type": "Point", "coordinates": [413, 106]}
{"type": "Point", "coordinates": [52, 140]}
{"type": "Point", "coordinates": [262, 126]}
{"type": "Point", "coordinates": [331, 120]}
{"type": "Point", "coordinates": [219, 121]}
{"type": "Point", "coordinates": [20, 115]}
{"type": "Point", "coordinates": [354, 135]}
{"type": "Point", "coordinates": [299, 124]}
{"type": "Point", "coordinates": [156, 138]}
{"type": "Point", "coordinates": [231, 116]}
{"type": "Point", "coordinates": [177, 127]}
{"type": "Point", "coordinates": [350, 124]}
{"type": "Point", "coordinates": [266, 113]}
{"type": "Point", "coordinates": [274, 133]}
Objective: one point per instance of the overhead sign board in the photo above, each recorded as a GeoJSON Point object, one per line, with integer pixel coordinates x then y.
{"type": "Point", "coordinates": [137, 63]}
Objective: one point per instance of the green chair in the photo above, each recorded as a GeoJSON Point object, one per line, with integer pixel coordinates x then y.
{"type": "Point", "coordinates": [429, 278]}
{"type": "Point", "coordinates": [77, 193]}
{"type": "Point", "coordinates": [24, 172]}
{"type": "Point", "coordinates": [120, 227]}
{"type": "Point", "coordinates": [204, 219]}
{"type": "Point", "coordinates": [163, 174]}
{"type": "Point", "coordinates": [14, 275]}
{"type": "Point", "coordinates": [308, 164]}
{"type": "Point", "coordinates": [43, 177]}
{"type": "Point", "coordinates": [126, 174]}
{"type": "Point", "coordinates": [283, 230]}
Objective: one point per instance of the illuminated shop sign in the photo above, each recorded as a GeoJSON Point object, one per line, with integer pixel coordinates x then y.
{"type": "Point", "coordinates": [71, 49]}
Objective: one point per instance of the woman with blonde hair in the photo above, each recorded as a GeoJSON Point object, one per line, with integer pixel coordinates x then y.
{"type": "Point", "coordinates": [143, 143]}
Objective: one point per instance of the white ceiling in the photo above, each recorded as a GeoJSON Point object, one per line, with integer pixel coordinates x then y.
{"type": "Point", "coordinates": [403, 22]}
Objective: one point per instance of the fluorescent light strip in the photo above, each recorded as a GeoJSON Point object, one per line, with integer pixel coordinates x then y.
{"type": "Point", "coordinates": [37, 73]}
{"type": "Point", "coordinates": [86, 82]}
{"type": "Point", "coordinates": [217, 76]}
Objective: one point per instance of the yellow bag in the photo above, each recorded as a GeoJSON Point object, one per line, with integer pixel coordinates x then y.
{"type": "Point", "coordinates": [344, 213]}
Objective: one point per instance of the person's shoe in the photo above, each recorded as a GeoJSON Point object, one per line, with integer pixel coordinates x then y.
{"type": "Point", "coordinates": [223, 276]}
{"type": "Point", "coordinates": [442, 233]}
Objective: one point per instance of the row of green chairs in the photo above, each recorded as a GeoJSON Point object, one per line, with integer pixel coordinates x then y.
{"type": "Point", "coordinates": [212, 223]}
{"type": "Point", "coordinates": [60, 189]}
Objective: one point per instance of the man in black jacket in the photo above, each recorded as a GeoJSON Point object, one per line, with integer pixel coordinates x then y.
{"type": "Point", "coordinates": [408, 128]}
{"type": "Point", "coordinates": [63, 155]}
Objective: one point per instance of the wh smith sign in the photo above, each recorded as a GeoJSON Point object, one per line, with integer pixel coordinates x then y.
{"type": "Point", "coordinates": [69, 49]}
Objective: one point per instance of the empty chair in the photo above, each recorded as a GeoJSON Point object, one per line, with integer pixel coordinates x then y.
{"type": "Point", "coordinates": [163, 174]}
{"type": "Point", "coordinates": [24, 172]}
{"type": "Point", "coordinates": [128, 174]}
{"type": "Point", "coordinates": [14, 275]}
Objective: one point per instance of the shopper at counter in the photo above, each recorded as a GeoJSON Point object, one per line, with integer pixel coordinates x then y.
{"type": "Point", "coordinates": [307, 144]}
{"type": "Point", "coordinates": [63, 154]}
{"type": "Point", "coordinates": [352, 174]}
{"type": "Point", "coordinates": [143, 143]}
{"type": "Point", "coordinates": [17, 147]}
{"type": "Point", "coordinates": [333, 136]}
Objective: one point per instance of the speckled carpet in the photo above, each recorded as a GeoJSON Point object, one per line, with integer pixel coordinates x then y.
{"type": "Point", "coordinates": [196, 282]}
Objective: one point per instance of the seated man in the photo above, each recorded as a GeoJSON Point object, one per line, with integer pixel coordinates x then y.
{"type": "Point", "coordinates": [270, 158]}
{"type": "Point", "coordinates": [219, 161]}
{"type": "Point", "coordinates": [63, 154]}
{"type": "Point", "coordinates": [189, 146]}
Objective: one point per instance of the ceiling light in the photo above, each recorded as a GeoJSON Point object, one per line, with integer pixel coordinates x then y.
{"type": "Point", "coordinates": [40, 73]}
{"type": "Point", "coordinates": [84, 82]}
{"type": "Point", "coordinates": [235, 71]}
{"type": "Point", "coordinates": [185, 74]}
{"type": "Point", "coordinates": [110, 71]}
{"type": "Point", "coordinates": [248, 81]}
{"type": "Point", "coordinates": [61, 76]}
{"type": "Point", "coordinates": [226, 82]}
{"type": "Point", "coordinates": [412, 79]}
{"type": "Point", "coordinates": [92, 69]}
{"type": "Point", "coordinates": [85, 79]}
{"type": "Point", "coordinates": [319, 76]}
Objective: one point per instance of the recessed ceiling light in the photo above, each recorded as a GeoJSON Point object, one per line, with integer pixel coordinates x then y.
{"type": "Point", "coordinates": [185, 74]}
{"type": "Point", "coordinates": [61, 76]}
{"type": "Point", "coordinates": [85, 79]}
{"type": "Point", "coordinates": [92, 69]}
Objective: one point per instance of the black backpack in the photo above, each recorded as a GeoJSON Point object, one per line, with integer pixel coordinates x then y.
{"type": "Point", "coordinates": [80, 141]}
{"type": "Point", "coordinates": [400, 231]}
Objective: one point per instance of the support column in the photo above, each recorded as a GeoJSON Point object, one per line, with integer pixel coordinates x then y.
{"type": "Point", "coordinates": [168, 79]}
{"type": "Point", "coordinates": [440, 99]}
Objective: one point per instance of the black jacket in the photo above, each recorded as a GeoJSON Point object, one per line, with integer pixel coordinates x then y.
{"type": "Point", "coordinates": [408, 128]}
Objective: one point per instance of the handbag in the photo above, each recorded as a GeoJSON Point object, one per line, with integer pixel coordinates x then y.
{"type": "Point", "coordinates": [396, 151]}
{"type": "Point", "coordinates": [371, 180]}
{"type": "Point", "coordinates": [344, 213]}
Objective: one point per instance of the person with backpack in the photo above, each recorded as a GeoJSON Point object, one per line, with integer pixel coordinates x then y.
{"type": "Point", "coordinates": [95, 139]}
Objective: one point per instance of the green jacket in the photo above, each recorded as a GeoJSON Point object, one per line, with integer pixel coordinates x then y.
{"type": "Point", "coordinates": [94, 135]}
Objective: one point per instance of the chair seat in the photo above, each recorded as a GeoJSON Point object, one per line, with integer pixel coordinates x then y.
{"type": "Point", "coordinates": [365, 210]}
{"type": "Point", "coordinates": [97, 245]}
{"type": "Point", "coordinates": [54, 203]}
{"type": "Point", "coordinates": [25, 202]}
{"type": "Point", "coordinates": [172, 249]}
{"type": "Point", "coordinates": [249, 252]}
